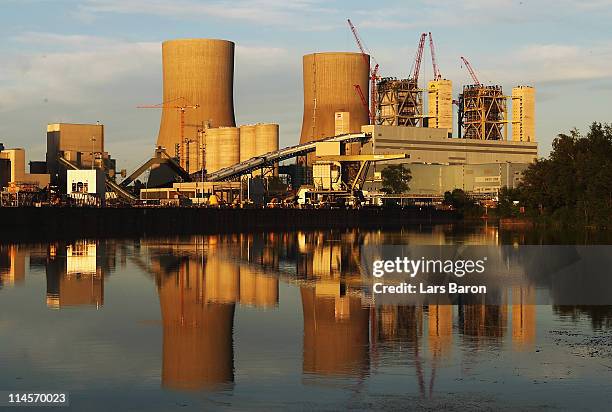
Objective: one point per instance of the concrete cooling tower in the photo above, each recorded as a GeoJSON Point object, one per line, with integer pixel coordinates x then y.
{"type": "Point", "coordinates": [196, 72]}
{"type": "Point", "coordinates": [329, 87]}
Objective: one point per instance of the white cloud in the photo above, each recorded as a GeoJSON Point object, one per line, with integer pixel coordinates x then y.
{"type": "Point", "coordinates": [263, 12]}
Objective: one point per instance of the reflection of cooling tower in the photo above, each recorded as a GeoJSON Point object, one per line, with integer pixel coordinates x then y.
{"type": "Point", "coordinates": [201, 71]}
{"type": "Point", "coordinates": [198, 345]}
{"type": "Point", "coordinates": [334, 344]}
{"type": "Point", "coordinates": [222, 281]}
{"type": "Point", "coordinates": [257, 289]}
{"type": "Point", "coordinates": [329, 87]}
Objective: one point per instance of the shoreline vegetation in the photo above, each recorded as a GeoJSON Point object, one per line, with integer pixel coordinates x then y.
{"type": "Point", "coordinates": [570, 188]}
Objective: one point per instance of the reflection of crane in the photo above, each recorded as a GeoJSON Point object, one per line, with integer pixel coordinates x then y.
{"type": "Point", "coordinates": [418, 58]}
{"type": "Point", "coordinates": [373, 72]}
{"type": "Point", "coordinates": [432, 50]}
{"type": "Point", "coordinates": [173, 104]}
{"type": "Point", "coordinates": [469, 67]}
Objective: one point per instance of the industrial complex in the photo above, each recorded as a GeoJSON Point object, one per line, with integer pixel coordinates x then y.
{"type": "Point", "coordinates": [355, 123]}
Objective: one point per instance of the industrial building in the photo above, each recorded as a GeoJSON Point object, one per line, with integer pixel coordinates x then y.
{"type": "Point", "coordinates": [440, 103]}
{"type": "Point", "coordinates": [477, 179]}
{"type": "Point", "coordinates": [13, 172]}
{"type": "Point", "coordinates": [523, 114]}
{"type": "Point", "coordinates": [82, 145]}
{"type": "Point", "coordinates": [439, 163]}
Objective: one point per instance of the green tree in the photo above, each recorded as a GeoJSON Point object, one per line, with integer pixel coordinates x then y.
{"type": "Point", "coordinates": [574, 185]}
{"type": "Point", "coordinates": [395, 179]}
{"type": "Point", "coordinates": [463, 203]}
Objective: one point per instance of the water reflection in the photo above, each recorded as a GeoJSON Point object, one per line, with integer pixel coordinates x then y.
{"type": "Point", "coordinates": [12, 265]}
{"type": "Point", "coordinates": [203, 281]}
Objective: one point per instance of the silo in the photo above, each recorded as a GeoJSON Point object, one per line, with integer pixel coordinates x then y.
{"type": "Point", "coordinates": [329, 87]}
{"type": "Point", "coordinates": [222, 148]}
{"type": "Point", "coordinates": [228, 146]}
{"type": "Point", "coordinates": [196, 72]}
{"type": "Point", "coordinates": [212, 150]}
{"type": "Point", "coordinates": [247, 142]}
{"type": "Point", "coordinates": [266, 138]}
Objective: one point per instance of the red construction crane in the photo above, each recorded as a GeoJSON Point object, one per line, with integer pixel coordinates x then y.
{"type": "Point", "coordinates": [418, 58]}
{"type": "Point", "coordinates": [436, 69]}
{"type": "Point", "coordinates": [173, 104]}
{"type": "Point", "coordinates": [469, 67]}
{"type": "Point", "coordinates": [362, 97]}
{"type": "Point", "coordinates": [373, 73]}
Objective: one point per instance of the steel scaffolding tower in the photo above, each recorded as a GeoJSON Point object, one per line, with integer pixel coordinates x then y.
{"type": "Point", "coordinates": [483, 114]}
{"type": "Point", "coordinates": [399, 102]}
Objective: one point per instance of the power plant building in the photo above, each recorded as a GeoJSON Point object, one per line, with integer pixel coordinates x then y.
{"type": "Point", "coordinates": [196, 72]}
{"type": "Point", "coordinates": [330, 81]}
{"type": "Point", "coordinates": [13, 170]}
{"type": "Point", "coordinates": [523, 114]}
{"type": "Point", "coordinates": [440, 104]}
{"type": "Point", "coordinates": [80, 144]}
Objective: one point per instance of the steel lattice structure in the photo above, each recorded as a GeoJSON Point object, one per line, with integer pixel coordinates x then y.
{"type": "Point", "coordinates": [399, 102]}
{"type": "Point", "coordinates": [484, 112]}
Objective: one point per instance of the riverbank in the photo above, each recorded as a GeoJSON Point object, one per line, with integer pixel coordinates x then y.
{"type": "Point", "coordinates": [65, 223]}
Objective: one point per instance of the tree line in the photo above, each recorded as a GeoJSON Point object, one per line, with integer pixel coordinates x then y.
{"type": "Point", "coordinates": [573, 185]}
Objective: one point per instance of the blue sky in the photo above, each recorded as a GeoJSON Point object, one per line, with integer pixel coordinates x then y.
{"type": "Point", "coordinates": [89, 60]}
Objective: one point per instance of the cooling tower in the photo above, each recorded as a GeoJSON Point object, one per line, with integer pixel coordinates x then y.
{"type": "Point", "coordinates": [222, 148]}
{"type": "Point", "coordinates": [247, 142]}
{"type": "Point", "coordinates": [196, 72]}
{"type": "Point", "coordinates": [329, 87]}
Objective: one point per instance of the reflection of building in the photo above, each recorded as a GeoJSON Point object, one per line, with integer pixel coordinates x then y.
{"type": "Point", "coordinates": [12, 265]}
{"type": "Point", "coordinates": [400, 324]}
{"type": "Point", "coordinates": [198, 343]}
{"type": "Point", "coordinates": [483, 321]}
{"type": "Point", "coordinates": [75, 279]}
{"type": "Point", "coordinates": [523, 317]}
{"type": "Point", "coordinates": [335, 334]}
{"type": "Point", "coordinates": [440, 329]}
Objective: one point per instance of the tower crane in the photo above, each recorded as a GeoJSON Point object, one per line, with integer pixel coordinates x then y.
{"type": "Point", "coordinates": [175, 104]}
{"type": "Point", "coordinates": [373, 73]}
{"type": "Point", "coordinates": [432, 50]}
{"type": "Point", "coordinates": [418, 58]}
{"type": "Point", "coordinates": [472, 73]}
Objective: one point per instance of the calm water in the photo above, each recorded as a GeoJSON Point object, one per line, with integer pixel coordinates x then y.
{"type": "Point", "coordinates": [279, 320]}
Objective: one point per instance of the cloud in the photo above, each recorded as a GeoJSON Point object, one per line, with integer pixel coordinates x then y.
{"type": "Point", "coordinates": [73, 70]}
{"type": "Point", "coordinates": [263, 12]}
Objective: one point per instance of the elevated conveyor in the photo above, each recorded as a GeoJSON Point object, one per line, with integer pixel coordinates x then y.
{"type": "Point", "coordinates": [271, 158]}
